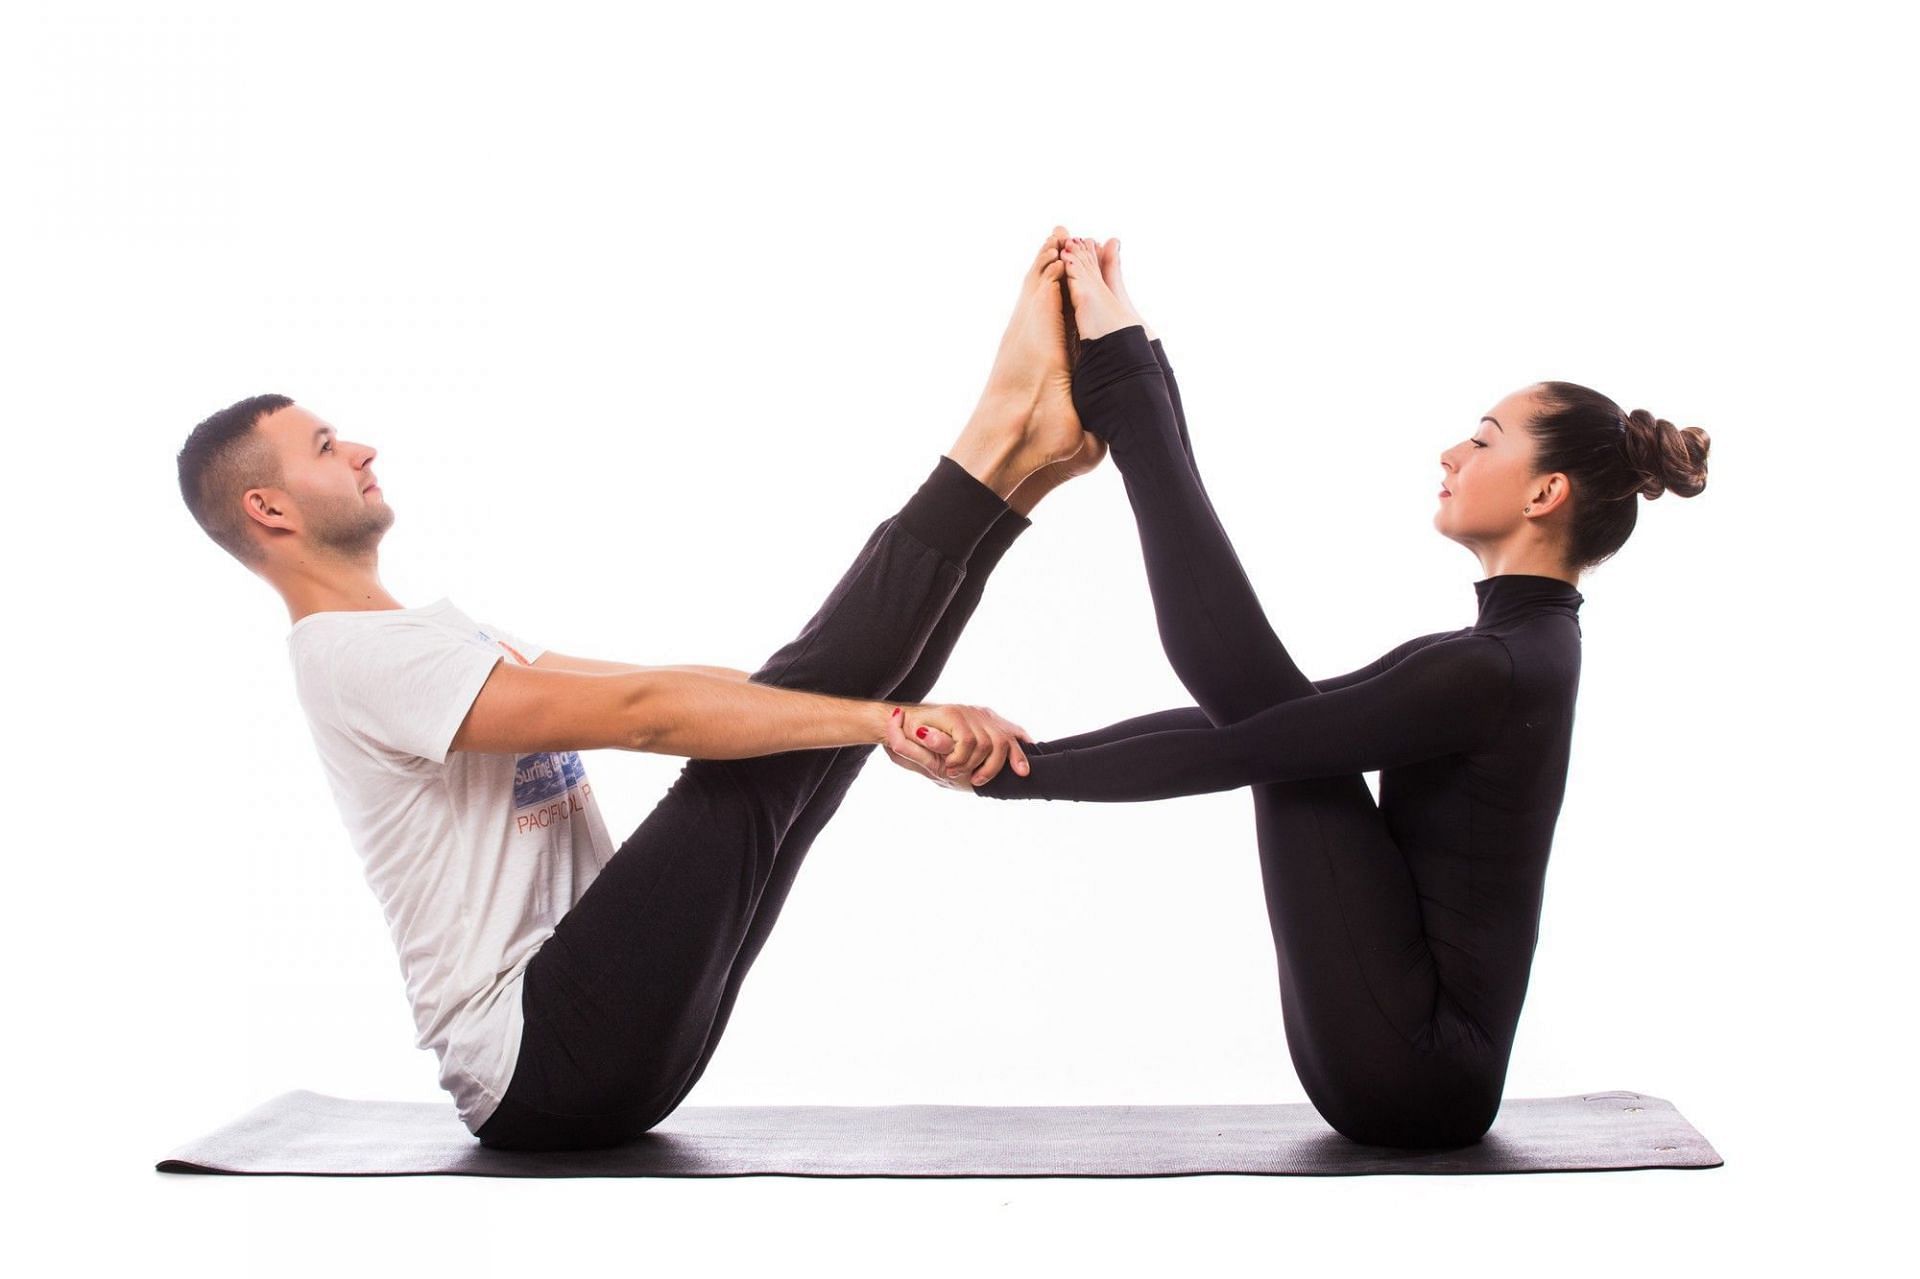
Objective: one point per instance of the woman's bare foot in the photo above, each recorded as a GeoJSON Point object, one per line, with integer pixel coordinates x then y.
{"type": "Point", "coordinates": [1110, 272]}
{"type": "Point", "coordinates": [1025, 419]}
{"type": "Point", "coordinates": [1097, 310]}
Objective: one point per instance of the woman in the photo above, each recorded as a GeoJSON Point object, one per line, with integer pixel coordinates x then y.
{"type": "Point", "coordinates": [1404, 930]}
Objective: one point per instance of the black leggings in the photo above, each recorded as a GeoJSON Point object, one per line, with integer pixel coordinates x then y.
{"type": "Point", "coordinates": [1381, 1053]}
{"type": "Point", "coordinates": [624, 1004]}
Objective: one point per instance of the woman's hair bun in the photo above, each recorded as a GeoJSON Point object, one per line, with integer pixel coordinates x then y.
{"type": "Point", "coordinates": [1664, 456]}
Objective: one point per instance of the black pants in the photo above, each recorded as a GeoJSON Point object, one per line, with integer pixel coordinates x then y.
{"type": "Point", "coordinates": [624, 1004]}
{"type": "Point", "coordinates": [1383, 1055]}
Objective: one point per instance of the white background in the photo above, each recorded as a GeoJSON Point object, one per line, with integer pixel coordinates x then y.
{"type": "Point", "coordinates": [653, 315]}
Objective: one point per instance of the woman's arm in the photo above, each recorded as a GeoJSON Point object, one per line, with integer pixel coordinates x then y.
{"type": "Point", "coordinates": [1442, 699]}
{"type": "Point", "coordinates": [1156, 722]}
{"type": "Point", "coordinates": [1194, 717]}
{"type": "Point", "coordinates": [1387, 660]}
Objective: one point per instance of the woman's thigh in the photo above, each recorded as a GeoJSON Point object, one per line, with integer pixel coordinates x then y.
{"type": "Point", "coordinates": [1357, 975]}
{"type": "Point", "coordinates": [1370, 1029]}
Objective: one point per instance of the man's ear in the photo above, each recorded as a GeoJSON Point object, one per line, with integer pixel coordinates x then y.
{"type": "Point", "coordinates": [268, 507]}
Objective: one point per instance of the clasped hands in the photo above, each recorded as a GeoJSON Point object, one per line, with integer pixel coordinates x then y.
{"type": "Point", "coordinates": [959, 747]}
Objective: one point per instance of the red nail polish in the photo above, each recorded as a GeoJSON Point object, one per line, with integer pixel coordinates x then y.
{"type": "Point", "coordinates": [919, 732]}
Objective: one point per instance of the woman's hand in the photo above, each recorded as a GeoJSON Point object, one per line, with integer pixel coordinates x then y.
{"type": "Point", "coordinates": [959, 747]}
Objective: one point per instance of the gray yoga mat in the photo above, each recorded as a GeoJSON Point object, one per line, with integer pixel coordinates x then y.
{"type": "Point", "coordinates": [310, 1133]}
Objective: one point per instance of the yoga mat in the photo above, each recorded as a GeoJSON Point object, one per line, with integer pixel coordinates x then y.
{"type": "Point", "coordinates": [313, 1134]}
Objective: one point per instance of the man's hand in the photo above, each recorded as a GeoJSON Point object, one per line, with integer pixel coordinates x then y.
{"type": "Point", "coordinates": [959, 747]}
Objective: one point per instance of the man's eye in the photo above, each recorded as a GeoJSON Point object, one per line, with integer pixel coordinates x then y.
{"type": "Point", "coordinates": [327, 445]}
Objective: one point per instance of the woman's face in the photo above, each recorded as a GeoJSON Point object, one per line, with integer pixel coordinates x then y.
{"type": "Point", "coordinates": [1488, 477]}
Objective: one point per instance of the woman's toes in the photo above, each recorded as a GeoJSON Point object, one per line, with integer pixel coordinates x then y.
{"type": "Point", "coordinates": [1110, 264]}
{"type": "Point", "coordinates": [1079, 262]}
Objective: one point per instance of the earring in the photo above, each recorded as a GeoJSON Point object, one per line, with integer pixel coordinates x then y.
{"type": "Point", "coordinates": [1526, 510]}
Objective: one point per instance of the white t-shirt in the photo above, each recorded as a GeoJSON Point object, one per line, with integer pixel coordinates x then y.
{"type": "Point", "coordinates": [474, 857]}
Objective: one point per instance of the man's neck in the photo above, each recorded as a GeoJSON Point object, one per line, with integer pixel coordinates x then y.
{"type": "Point", "coordinates": [307, 591]}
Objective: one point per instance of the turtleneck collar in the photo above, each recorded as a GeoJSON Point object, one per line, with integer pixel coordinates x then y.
{"type": "Point", "coordinates": [1510, 597]}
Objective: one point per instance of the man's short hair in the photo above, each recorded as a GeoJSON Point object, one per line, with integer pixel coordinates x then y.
{"type": "Point", "coordinates": [222, 459]}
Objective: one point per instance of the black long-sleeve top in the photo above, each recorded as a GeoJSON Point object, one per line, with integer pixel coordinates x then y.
{"type": "Point", "coordinates": [1489, 706]}
{"type": "Point", "coordinates": [1470, 731]}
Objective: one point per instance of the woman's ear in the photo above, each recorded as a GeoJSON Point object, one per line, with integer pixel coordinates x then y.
{"type": "Point", "coordinates": [1549, 495]}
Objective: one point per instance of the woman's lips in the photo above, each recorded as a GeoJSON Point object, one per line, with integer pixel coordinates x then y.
{"type": "Point", "coordinates": [1444, 493]}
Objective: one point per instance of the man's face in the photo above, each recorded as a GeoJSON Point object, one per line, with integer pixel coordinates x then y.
{"type": "Point", "coordinates": [329, 497]}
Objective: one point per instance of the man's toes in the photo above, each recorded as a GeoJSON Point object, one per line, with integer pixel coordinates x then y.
{"type": "Point", "coordinates": [1049, 252]}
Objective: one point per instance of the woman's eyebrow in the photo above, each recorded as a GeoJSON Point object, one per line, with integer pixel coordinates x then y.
{"type": "Point", "coordinates": [1496, 422]}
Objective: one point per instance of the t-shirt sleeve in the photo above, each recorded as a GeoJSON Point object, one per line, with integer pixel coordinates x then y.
{"type": "Point", "coordinates": [526, 648]}
{"type": "Point", "coordinates": [408, 685]}
{"type": "Point", "coordinates": [1442, 699]}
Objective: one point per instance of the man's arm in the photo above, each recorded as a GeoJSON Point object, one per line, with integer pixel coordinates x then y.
{"type": "Point", "coordinates": [660, 709]}
{"type": "Point", "coordinates": [552, 661]}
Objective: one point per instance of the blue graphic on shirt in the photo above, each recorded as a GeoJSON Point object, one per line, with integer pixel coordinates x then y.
{"type": "Point", "coordinates": [547, 775]}
{"type": "Point", "coordinates": [543, 775]}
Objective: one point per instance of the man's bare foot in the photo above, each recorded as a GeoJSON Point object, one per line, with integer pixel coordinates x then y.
{"type": "Point", "coordinates": [1025, 419]}
{"type": "Point", "coordinates": [1050, 477]}
{"type": "Point", "coordinates": [1021, 364]}
{"type": "Point", "coordinates": [1097, 310]}
{"type": "Point", "coordinates": [1110, 272]}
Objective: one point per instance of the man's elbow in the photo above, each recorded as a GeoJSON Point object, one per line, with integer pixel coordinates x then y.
{"type": "Point", "coordinates": [521, 709]}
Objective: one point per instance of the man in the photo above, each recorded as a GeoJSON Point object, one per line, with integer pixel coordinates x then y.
{"type": "Point", "coordinates": [574, 993]}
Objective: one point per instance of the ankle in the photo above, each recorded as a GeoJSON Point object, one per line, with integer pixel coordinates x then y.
{"type": "Point", "coordinates": [988, 460]}
{"type": "Point", "coordinates": [1030, 490]}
